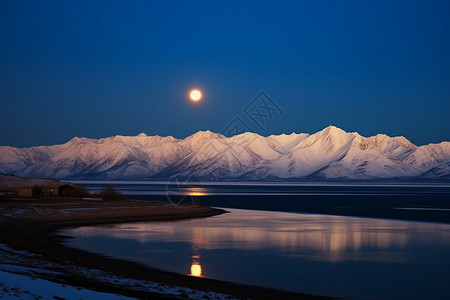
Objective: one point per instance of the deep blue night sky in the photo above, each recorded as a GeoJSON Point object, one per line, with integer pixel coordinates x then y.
{"type": "Point", "coordinates": [101, 68]}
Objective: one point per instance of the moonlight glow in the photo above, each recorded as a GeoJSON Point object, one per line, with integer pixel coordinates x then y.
{"type": "Point", "coordinates": [195, 95]}
{"type": "Point", "coordinates": [196, 270]}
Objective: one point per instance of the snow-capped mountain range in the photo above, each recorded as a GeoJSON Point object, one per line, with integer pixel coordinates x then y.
{"type": "Point", "coordinates": [330, 154]}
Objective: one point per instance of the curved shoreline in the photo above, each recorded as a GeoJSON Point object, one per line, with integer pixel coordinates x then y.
{"type": "Point", "coordinates": [40, 235]}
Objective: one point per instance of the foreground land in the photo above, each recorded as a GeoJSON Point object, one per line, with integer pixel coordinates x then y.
{"type": "Point", "coordinates": [31, 251]}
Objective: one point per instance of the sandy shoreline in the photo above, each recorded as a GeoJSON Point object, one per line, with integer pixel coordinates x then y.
{"type": "Point", "coordinates": [33, 226]}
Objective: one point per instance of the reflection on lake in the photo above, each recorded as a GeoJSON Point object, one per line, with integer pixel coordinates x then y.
{"type": "Point", "coordinates": [196, 267]}
{"type": "Point", "coordinates": [320, 254]}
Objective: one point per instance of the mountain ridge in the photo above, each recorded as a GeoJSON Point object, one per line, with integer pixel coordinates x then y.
{"type": "Point", "coordinates": [329, 154]}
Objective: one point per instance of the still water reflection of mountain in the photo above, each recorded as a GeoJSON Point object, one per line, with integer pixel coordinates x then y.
{"type": "Point", "coordinates": [350, 257]}
{"type": "Point", "coordinates": [314, 237]}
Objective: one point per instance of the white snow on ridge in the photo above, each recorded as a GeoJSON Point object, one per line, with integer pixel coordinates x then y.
{"type": "Point", "coordinates": [330, 153]}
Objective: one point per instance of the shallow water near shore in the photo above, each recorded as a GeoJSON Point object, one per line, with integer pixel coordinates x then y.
{"type": "Point", "coordinates": [339, 256]}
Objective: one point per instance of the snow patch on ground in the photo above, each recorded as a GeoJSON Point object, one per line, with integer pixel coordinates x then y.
{"type": "Point", "coordinates": [15, 251]}
{"type": "Point", "coordinates": [28, 270]}
{"type": "Point", "coordinates": [19, 272]}
{"type": "Point", "coordinates": [16, 286]}
{"type": "Point", "coordinates": [150, 286]}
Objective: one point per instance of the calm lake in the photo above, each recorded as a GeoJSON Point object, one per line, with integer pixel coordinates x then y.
{"type": "Point", "coordinates": [340, 256]}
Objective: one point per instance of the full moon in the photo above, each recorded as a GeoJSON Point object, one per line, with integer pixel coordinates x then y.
{"type": "Point", "coordinates": [195, 95]}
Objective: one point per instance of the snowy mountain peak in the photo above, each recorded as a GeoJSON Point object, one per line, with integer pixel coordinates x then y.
{"type": "Point", "coordinates": [283, 135]}
{"type": "Point", "coordinates": [248, 135]}
{"type": "Point", "coordinates": [204, 135]}
{"type": "Point", "coordinates": [329, 154]}
{"type": "Point", "coordinates": [332, 130]}
{"type": "Point", "coordinates": [77, 140]}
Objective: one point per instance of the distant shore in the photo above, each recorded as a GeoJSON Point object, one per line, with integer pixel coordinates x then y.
{"type": "Point", "coordinates": [33, 225]}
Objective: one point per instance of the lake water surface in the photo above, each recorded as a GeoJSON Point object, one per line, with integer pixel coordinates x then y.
{"type": "Point", "coordinates": [350, 257]}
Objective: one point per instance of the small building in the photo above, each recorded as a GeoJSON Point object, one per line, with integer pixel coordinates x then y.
{"type": "Point", "coordinates": [61, 190]}
{"type": "Point", "coordinates": [50, 191]}
{"type": "Point", "coordinates": [31, 191]}
{"type": "Point", "coordinates": [68, 190]}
